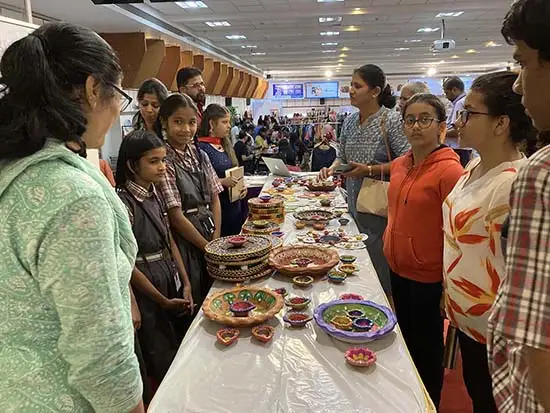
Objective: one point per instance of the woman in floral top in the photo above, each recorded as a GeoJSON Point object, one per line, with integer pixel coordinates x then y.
{"type": "Point", "coordinates": [493, 123]}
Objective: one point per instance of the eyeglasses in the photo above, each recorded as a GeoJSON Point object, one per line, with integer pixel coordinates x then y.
{"type": "Point", "coordinates": [423, 123]}
{"type": "Point", "coordinates": [196, 85]}
{"type": "Point", "coordinates": [465, 114]}
{"type": "Point", "coordinates": [126, 99]}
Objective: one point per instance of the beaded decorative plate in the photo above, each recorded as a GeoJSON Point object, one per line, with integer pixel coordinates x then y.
{"type": "Point", "coordinates": [236, 264]}
{"type": "Point", "coordinates": [263, 274]}
{"type": "Point", "coordinates": [277, 243]}
{"type": "Point", "coordinates": [222, 250]}
{"type": "Point", "coordinates": [318, 260]}
{"type": "Point", "coordinates": [268, 303]}
{"type": "Point", "coordinates": [309, 216]}
{"type": "Point", "coordinates": [321, 186]}
{"type": "Point", "coordinates": [249, 228]}
{"type": "Point", "coordinates": [257, 203]}
{"type": "Point", "coordinates": [237, 272]}
{"type": "Point", "coordinates": [327, 314]}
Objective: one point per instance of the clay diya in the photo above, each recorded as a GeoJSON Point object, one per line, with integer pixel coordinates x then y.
{"type": "Point", "coordinates": [349, 269]}
{"type": "Point", "coordinates": [360, 357]}
{"type": "Point", "coordinates": [348, 259]}
{"type": "Point", "coordinates": [263, 333]}
{"type": "Point", "coordinates": [343, 221]}
{"type": "Point", "coordinates": [227, 336]}
{"type": "Point", "coordinates": [351, 296]}
{"type": "Point", "coordinates": [300, 225]}
{"type": "Point", "coordinates": [282, 291]}
{"type": "Point", "coordinates": [353, 314]}
{"type": "Point", "coordinates": [338, 213]}
{"type": "Point", "coordinates": [362, 324]}
{"type": "Point", "coordinates": [298, 303]}
{"type": "Point", "coordinates": [337, 277]}
{"type": "Point", "coordinates": [325, 202]}
{"type": "Point", "coordinates": [296, 319]}
{"type": "Point", "coordinates": [260, 223]}
{"type": "Point", "coordinates": [275, 184]}
{"type": "Point", "coordinates": [241, 308]}
{"type": "Point", "coordinates": [289, 184]}
{"type": "Point", "coordinates": [302, 280]}
{"type": "Point", "coordinates": [237, 241]}
{"type": "Point", "coordinates": [280, 189]}
{"type": "Point", "coordinates": [301, 262]}
{"type": "Point", "coordinates": [319, 226]}
{"type": "Point", "coordinates": [278, 234]}
{"type": "Point", "coordinates": [265, 198]}
{"type": "Point", "coordinates": [342, 322]}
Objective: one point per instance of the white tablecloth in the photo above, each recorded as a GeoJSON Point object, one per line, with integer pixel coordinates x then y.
{"type": "Point", "coordinates": [300, 370]}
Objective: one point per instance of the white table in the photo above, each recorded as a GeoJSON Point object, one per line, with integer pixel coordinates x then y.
{"type": "Point", "coordinates": [300, 370]}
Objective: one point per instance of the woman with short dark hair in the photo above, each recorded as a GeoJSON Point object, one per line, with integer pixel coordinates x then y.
{"type": "Point", "coordinates": [67, 248]}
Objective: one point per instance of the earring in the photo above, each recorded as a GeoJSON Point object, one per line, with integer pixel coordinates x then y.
{"type": "Point", "coordinates": [164, 135]}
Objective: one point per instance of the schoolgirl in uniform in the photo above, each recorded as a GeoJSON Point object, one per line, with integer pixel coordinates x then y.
{"type": "Point", "coordinates": [159, 274]}
{"type": "Point", "coordinates": [190, 189]}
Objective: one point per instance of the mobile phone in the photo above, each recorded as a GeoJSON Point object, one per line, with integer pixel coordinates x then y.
{"type": "Point", "coordinates": [343, 168]}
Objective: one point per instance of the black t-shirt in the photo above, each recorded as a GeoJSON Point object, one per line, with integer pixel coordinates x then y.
{"type": "Point", "coordinates": [241, 150]}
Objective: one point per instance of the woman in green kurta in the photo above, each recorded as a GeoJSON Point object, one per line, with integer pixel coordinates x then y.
{"type": "Point", "coordinates": [66, 245]}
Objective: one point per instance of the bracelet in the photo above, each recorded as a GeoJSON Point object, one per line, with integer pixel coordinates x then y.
{"type": "Point", "coordinates": [369, 169]}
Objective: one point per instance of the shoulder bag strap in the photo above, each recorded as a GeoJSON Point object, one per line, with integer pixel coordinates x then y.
{"type": "Point", "coordinates": [384, 130]}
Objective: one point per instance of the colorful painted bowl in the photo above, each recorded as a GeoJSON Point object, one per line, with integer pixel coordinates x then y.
{"type": "Point", "coordinates": [351, 296]}
{"type": "Point", "coordinates": [278, 234]}
{"type": "Point", "coordinates": [298, 303]}
{"type": "Point", "coordinates": [260, 223]}
{"type": "Point", "coordinates": [348, 259]}
{"type": "Point", "coordinates": [241, 308]}
{"type": "Point", "coordinates": [355, 313]}
{"type": "Point", "coordinates": [289, 184]}
{"type": "Point", "coordinates": [343, 221]}
{"type": "Point", "coordinates": [300, 225]}
{"type": "Point", "coordinates": [280, 189]}
{"type": "Point", "coordinates": [338, 213]}
{"type": "Point", "coordinates": [301, 262]}
{"type": "Point", "coordinates": [325, 202]}
{"type": "Point", "coordinates": [275, 184]}
{"type": "Point", "coordinates": [337, 277]}
{"type": "Point", "coordinates": [237, 241]}
{"type": "Point", "coordinates": [342, 322]}
{"type": "Point", "coordinates": [227, 336]}
{"type": "Point", "coordinates": [265, 198]}
{"type": "Point", "coordinates": [348, 269]}
{"type": "Point", "coordinates": [360, 357]}
{"type": "Point", "coordinates": [282, 291]}
{"type": "Point", "coordinates": [319, 225]}
{"type": "Point", "coordinates": [263, 333]}
{"type": "Point", "coordinates": [362, 324]}
{"type": "Point", "coordinates": [297, 319]}
{"type": "Point", "coordinates": [302, 280]}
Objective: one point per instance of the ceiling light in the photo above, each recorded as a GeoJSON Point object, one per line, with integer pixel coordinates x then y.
{"type": "Point", "coordinates": [358, 10]}
{"type": "Point", "coordinates": [449, 14]}
{"type": "Point", "coordinates": [413, 41]}
{"type": "Point", "coordinates": [191, 4]}
{"type": "Point", "coordinates": [328, 51]}
{"type": "Point", "coordinates": [330, 33]}
{"type": "Point", "coordinates": [492, 43]}
{"type": "Point", "coordinates": [427, 29]}
{"type": "Point", "coordinates": [328, 1]}
{"type": "Point", "coordinates": [345, 49]}
{"type": "Point", "coordinates": [328, 73]}
{"type": "Point", "coordinates": [329, 44]}
{"type": "Point", "coordinates": [341, 61]}
{"type": "Point", "coordinates": [339, 64]}
{"type": "Point", "coordinates": [431, 71]}
{"type": "Point", "coordinates": [235, 36]}
{"type": "Point", "coordinates": [455, 57]}
{"type": "Point", "coordinates": [471, 51]}
{"type": "Point", "coordinates": [352, 29]}
{"type": "Point", "coordinates": [218, 24]}
{"type": "Point", "coordinates": [343, 55]}
{"type": "Point", "coordinates": [330, 19]}
{"type": "Point", "coordinates": [249, 46]}
{"type": "Point", "coordinates": [402, 49]}
{"type": "Point", "coordinates": [257, 54]}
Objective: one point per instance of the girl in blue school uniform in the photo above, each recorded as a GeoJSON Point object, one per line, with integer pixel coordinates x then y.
{"type": "Point", "coordinates": [159, 279]}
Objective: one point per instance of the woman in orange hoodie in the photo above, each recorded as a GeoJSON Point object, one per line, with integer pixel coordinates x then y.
{"type": "Point", "coordinates": [413, 242]}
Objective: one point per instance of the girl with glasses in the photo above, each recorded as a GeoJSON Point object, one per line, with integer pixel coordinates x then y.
{"type": "Point", "coordinates": [420, 180]}
{"type": "Point", "coordinates": [493, 123]}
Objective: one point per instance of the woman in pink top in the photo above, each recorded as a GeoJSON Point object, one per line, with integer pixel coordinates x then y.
{"type": "Point", "coordinates": [493, 123]}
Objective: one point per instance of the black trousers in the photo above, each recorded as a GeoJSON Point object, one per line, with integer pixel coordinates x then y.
{"type": "Point", "coordinates": [475, 371]}
{"type": "Point", "coordinates": [420, 321]}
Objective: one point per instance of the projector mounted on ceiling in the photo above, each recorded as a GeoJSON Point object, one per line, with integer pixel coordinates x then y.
{"type": "Point", "coordinates": [442, 45]}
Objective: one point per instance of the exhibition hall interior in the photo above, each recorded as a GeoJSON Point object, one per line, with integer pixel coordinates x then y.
{"type": "Point", "coordinates": [275, 206]}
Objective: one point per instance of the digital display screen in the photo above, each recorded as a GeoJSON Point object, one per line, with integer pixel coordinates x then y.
{"type": "Point", "coordinates": [288, 91]}
{"type": "Point", "coordinates": [322, 90]}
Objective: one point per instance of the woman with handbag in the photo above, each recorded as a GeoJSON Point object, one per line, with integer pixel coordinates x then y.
{"type": "Point", "coordinates": [369, 140]}
{"type": "Point", "coordinates": [420, 182]}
